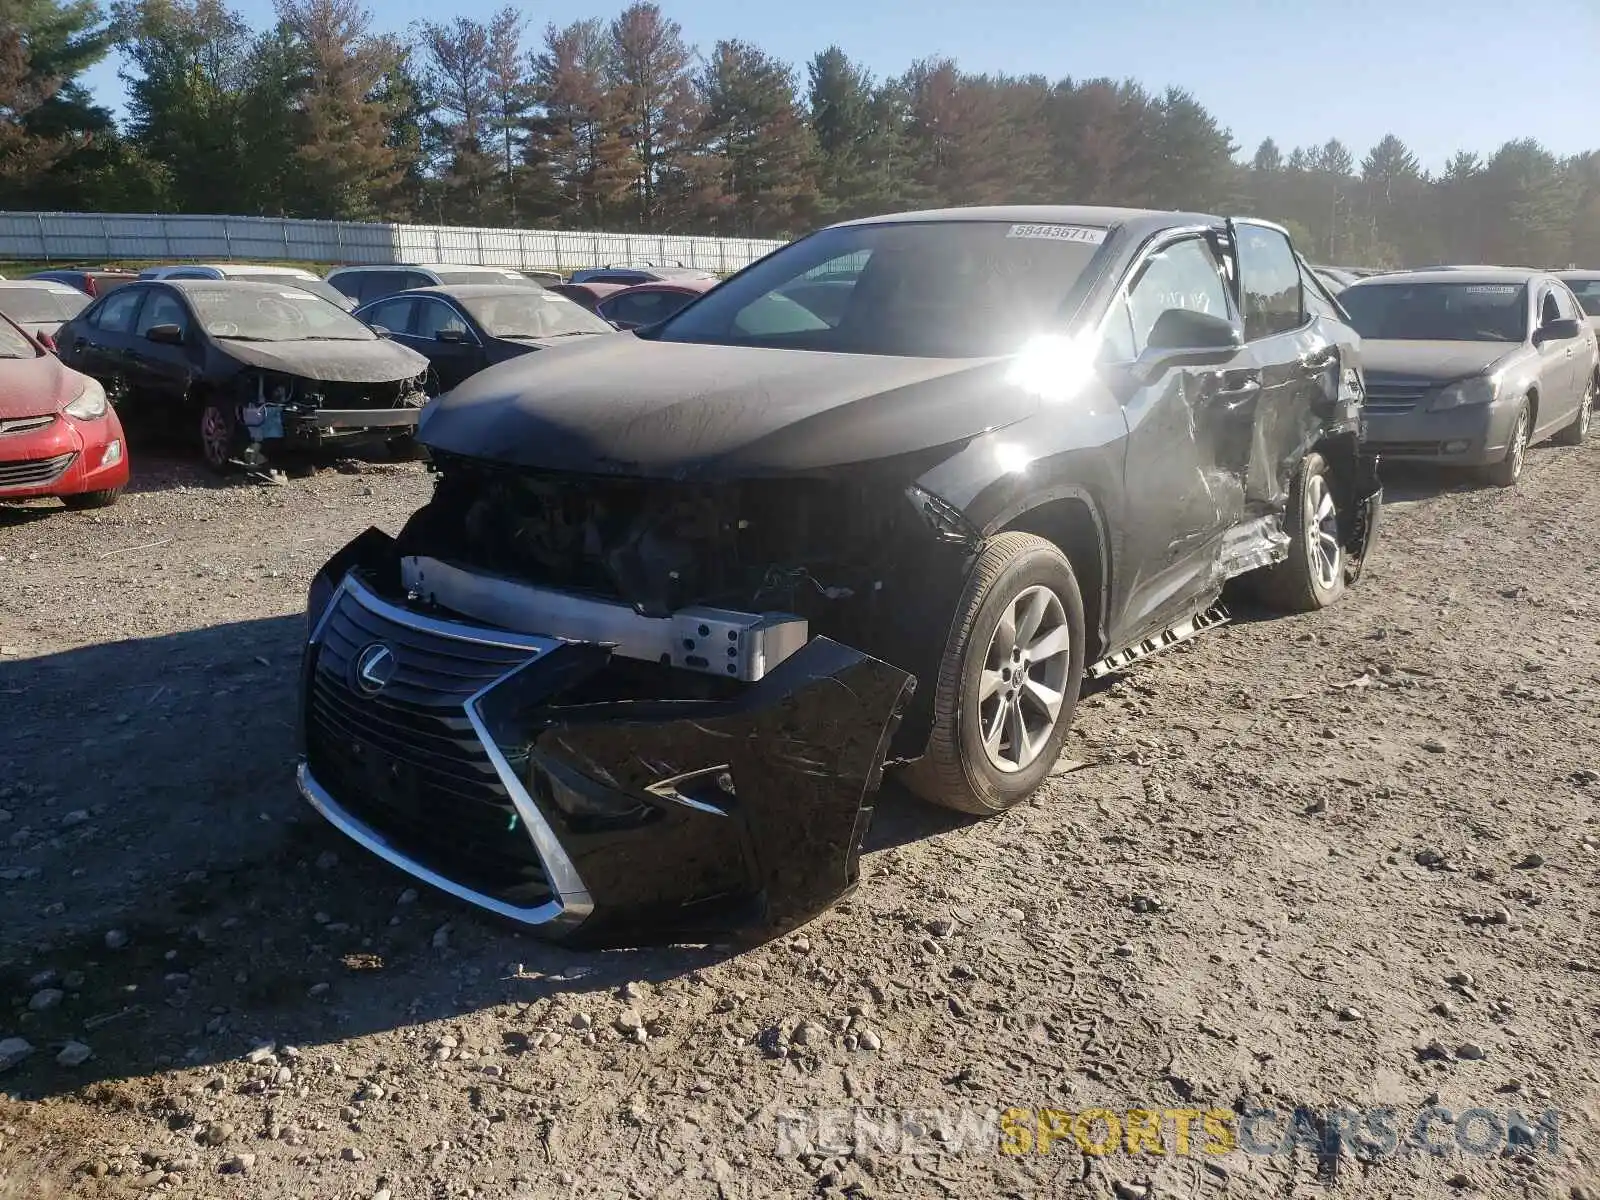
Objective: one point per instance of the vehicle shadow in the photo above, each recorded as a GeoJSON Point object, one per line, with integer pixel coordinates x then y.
{"type": "Point", "coordinates": [168, 900]}
{"type": "Point", "coordinates": [164, 470]}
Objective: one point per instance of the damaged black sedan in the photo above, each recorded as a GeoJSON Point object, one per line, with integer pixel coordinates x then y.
{"type": "Point", "coordinates": [882, 500]}
{"type": "Point", "coordinates": [244, 368]}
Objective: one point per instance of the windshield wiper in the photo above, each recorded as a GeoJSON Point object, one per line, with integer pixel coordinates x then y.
{"type": "Point", "coordinates": [323, 337]}
{"type": "Point", "coordinates": [242, 337]}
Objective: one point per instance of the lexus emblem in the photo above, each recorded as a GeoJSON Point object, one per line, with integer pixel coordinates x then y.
{"type": "Point", "coordinates": [375, 667]}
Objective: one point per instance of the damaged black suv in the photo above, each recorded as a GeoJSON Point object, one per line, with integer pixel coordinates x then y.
{"type": "Point", "coordinates": [884, 498]}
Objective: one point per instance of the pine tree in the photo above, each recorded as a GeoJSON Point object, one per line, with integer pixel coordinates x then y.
{"type": "Point", "coordinates": [345, 168]}
{"type": "Point", "coordinates": [576, 150]}
{"type": "Point", "coordinates": [754, 129]}
{"type": "Point", "coordinates": [860, 151]}
{"type": "Point", "coordinates": [659, 112]}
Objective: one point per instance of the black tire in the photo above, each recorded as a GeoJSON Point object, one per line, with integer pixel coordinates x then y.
{"type": "Point", "coordinates": [1508, 470]}
{"type": "Point", "coordinates": [956, 771]}
{"type": "Point", "coordinates": [219, 435]}
{"type": "Point", "coordinates": [101, 499]}
{"type": "Point", "coordinates": [1315, 573]}
{"type": "Point", "coordinates": [1575, 433]}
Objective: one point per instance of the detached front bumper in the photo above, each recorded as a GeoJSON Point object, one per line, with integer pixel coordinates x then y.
{"type": "Point", "coordinates": [573, 791]}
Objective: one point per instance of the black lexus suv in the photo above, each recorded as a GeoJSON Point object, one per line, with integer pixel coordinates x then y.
{"type": "Point", "coordinates": [883, 499]}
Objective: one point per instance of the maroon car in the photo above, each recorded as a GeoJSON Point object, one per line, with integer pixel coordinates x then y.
{"type": "Point", "coordinates": [587, 294]}
{"type": "Point", "coordinates": [647, 303]}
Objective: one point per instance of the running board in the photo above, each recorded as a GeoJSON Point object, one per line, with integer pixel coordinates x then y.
{"type": "Point", "coordinates": [1217, 614]}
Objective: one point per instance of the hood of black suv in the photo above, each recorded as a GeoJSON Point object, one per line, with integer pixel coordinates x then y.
{"type": "Point", "coordinates": [634, 406]}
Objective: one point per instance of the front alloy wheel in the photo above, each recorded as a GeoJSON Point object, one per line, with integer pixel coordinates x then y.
{"type": "Point", "coordinates": [1508, 470]}
{"type": "Point", "coordinates": [217, 431]}
{"type": "Point", "coordinates": [1024, 679]}
{"type": "Point", "coordinates": [1325, 553]}
{"type": "Point", "coordinates": [1008, 681]}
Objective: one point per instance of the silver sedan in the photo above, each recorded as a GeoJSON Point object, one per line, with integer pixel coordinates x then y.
{"type": "Point", "coordinates": [1471, 367]}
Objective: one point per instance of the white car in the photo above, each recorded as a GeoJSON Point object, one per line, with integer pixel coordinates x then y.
{"type": "Point", "coordinates": [253, 273]}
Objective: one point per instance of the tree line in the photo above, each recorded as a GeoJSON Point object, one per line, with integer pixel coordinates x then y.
{"type": "Point", "coordinates": [621, 125]}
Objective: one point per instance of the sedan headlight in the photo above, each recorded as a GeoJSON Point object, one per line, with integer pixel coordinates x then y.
{"type": "Point", "coordinates": [1480, 389]}
{"type": "Point", "coordinates": [89, 404]}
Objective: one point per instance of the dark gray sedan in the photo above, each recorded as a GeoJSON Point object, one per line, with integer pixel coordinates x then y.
{"type": "Point", "coordinates": [1470, 367]}
{"type": "Point", "coordinates": [461, 328]}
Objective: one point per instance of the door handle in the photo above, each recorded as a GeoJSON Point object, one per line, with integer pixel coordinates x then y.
{"type": "Point", "coordinates": [1240, 391]}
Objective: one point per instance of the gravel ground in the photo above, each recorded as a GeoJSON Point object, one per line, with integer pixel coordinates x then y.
{"type": "Point", "coordinates": [1344, 860]}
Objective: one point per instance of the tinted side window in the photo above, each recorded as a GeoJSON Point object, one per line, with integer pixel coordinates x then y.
{"type": "Point", "coordinates": [1564, 302]}
{"type": "Point", "coordinates": [375, 285]}
{"type": "Point", "coordinates": [116, 314]}
{"type": "Point", "coordinates": [1183, 276]}
{"type": "Point", "coordinates": [1549, 310]}
{"type": "Point", "coordinates": [644, 308]}
{"type": "Point", "coordinates": [436, 316]}
{"type": "Point", "coordinates": [163, 309]}
{"type": "Point", "coordinates": [1269, 282]}
{"type": "Point", "coordinates": [1318, 297]}
{"type": "Point", "coordinates": [415, 279]}
{"type": "Point", "coordinates": [349, 284]}
{"type": "Point", "coordinates": [393, 315]}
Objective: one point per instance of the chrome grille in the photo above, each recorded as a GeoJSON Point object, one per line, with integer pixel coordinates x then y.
{"type": "Point", "coordinates": [407, 763]}
{"type": "Point", "coordinates": [1391, 399]}
{"type": "Point", "coordinates": [12, 425]}
{"type": "Point", "coordinates": [35, 472]}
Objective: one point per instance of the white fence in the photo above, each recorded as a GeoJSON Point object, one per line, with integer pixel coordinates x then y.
{"type": "Point", "coordinates": [118, 237]}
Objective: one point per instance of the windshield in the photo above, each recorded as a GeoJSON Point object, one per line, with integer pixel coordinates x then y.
{"type": "Point", "coordinates": [317, 287]}
{"type": "Point", "coordinates": [1588, 293]}
{"type": "Point", "coordinates": [40, 305]}
{"type": "Point", "coordinates": [284, 314]}
{"type": "Point", "coordinates": [12, 342]}
{"type": "Point", "coordinates": [506, 276]}
{"type": "Point", "coordinates": [532, 314]}
{"type": "Point", "coordinates": [946, 289]}
{"type": "Point", "coordinates": [1438, 312]}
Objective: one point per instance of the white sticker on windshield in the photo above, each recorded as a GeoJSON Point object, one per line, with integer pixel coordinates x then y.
{"type": "Point", "coordinates": [558, 296]}
{"type": "Point", "coordinates": [1492, 289]}
{"type": "Point", "coordinates": [1086, 234]}
{"type": "Point", "coordinates": [63, 291]}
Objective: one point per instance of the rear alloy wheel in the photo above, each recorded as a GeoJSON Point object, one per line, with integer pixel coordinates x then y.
{"type": "Point", "coordinates": [1313, 576]}
{"type": "Point", "coordinates": [1575, 433]}
{"type": "Point", "coordinates": [1508, 470]}
{"type": "Point", "coordinates": [1008, 684]}
{"type": "Point", "coordinates": [219, 433]}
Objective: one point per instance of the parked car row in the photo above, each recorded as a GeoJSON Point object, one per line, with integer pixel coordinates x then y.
{"type": "Point", "coordinates": [246, 362]}
{"type": "Point", "coordinates": [1463, 366]}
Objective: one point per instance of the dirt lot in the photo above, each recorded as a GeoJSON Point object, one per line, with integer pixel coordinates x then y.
{"type": "Point", "coordinates": [1287, 841]}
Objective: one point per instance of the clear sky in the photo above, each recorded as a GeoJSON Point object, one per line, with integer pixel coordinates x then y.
{"type": "Point", "coordinates": [1442, 74]}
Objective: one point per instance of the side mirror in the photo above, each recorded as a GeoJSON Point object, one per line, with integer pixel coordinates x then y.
{"type": "Point", "coordinates": [452, 335]}
{"type": "Point", "coordinates": [165, 335]}
{"type": "Point", "coordinates": [1184, 338]}
{"type": "Point", "coordinates": [1561, 330]}
{"type": "Point", "coordinates": [382, 331]}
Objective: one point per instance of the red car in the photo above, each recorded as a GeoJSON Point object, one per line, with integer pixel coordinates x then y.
{"type": "Point", "coordinates": [647, 303]}
{"type": "Point", "coordinates": [58, 434]}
